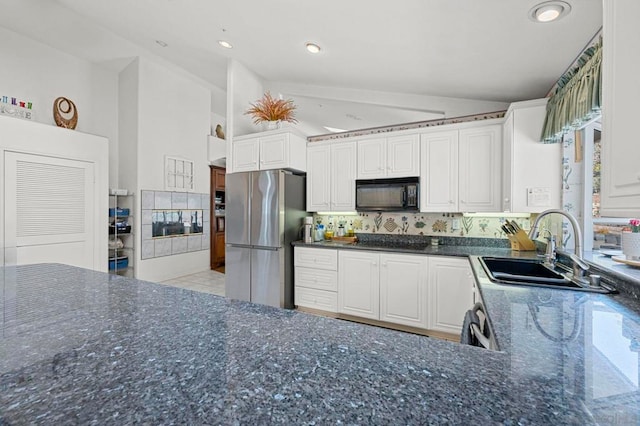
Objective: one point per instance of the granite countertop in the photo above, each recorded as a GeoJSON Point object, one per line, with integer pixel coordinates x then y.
{"type": "Point", "coordinates": [420, 247]}
{"type": "Point", "coordinates": [588, 344]}
{"type": "Point", "coordinates": [81, 346]}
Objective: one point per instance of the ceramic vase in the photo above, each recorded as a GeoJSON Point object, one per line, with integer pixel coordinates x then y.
{"type": "Point", "coordinates": [631, 245]}
{"type": "Point", "coordinates": [271, 125]}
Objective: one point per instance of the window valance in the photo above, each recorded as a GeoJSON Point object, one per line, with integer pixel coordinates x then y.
{"type": "Point", "coordinates": [577, 97]}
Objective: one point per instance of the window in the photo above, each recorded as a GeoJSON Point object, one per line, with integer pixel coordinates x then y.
{"type": "Point", "coordinates": [599, 232]}
{"type": "Point", "coordinates": [178, 174]}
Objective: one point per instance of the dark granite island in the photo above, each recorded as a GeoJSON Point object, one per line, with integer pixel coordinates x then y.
{"type": "Point", "coordinates": [86, 347]}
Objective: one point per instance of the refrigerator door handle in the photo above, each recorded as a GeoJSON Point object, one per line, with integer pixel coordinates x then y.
{"type": "Point", "coordinates": [266, 248]}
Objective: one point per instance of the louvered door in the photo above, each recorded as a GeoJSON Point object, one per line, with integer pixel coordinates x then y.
{"type": "Point", "coordinates": [48, 210]}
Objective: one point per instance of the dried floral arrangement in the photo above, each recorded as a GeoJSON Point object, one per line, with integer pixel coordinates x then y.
{"type": "Point", "coordinates": [271, 109]}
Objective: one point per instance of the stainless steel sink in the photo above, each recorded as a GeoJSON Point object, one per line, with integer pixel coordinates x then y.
{"type": "Point", "coordinates": [531, 272]}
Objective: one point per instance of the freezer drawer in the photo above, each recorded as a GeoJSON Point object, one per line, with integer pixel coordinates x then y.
{"type": "Point", "coordinates": [267, 283]}
{"type": "Point", "coordinates": [238, 272]}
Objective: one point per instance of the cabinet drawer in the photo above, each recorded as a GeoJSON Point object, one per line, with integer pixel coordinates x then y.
{"type": "Point", "coordinates": [320, 279]}
{"type": "Point", "coordinates": [316, 299]}
{"type": "Point", "coordinates": [316, 258]}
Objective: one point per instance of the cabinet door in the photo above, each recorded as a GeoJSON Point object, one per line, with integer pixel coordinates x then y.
{"type": "Point", "coordinates": [372, 158]}
{"type": "Point", "coordinates": [480, 169]}
{"type": "Point", "coordinates": [274, 152]}
{"type": "Point", "coordinates": [317, 258]}
{"type": "Point", "coordinates": [507, 163]}
{"type": "Point", "coordinates": [403, 156]}
{"type": "Point", "coordinates": [245, 155]}
{"type": "Point", "coordinates": [359, 284]}
{"type": "Point", "coordinates": [450, 292]}
{"type": "Point", "coordinates": [403, 289]}
{"type": "Point", "coordinates": [318, 279]}
{"type": "Point", "coordinates": [318, 178]}
{"type": "Point", "coordinates": [439, 172]}
{"type": "Point", "coordinates": [316, 299]}
{"type": "Point", "coordinates": [620, 91]}
{"type": "Point", "coordinates": [219, 176]}
{"type": "Point", "coordinates": [528, 165]}
{"type": "Point", "coordinates": [218, 253]}
{"type": "Point", "coordinates": [343, 176]}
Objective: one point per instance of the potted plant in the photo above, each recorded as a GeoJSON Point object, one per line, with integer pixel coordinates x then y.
{"type": "Point", "coordinates": [631, 240]}
{"type": "Point", "coordinates": [272, 111]}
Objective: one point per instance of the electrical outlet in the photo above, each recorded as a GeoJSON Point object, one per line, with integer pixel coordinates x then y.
{"type": "Point", "coordinates": [455, 224]}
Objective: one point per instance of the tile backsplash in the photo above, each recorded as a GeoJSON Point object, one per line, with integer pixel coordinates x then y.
{"type": "Point", "coordinates": [429, 224]}
{"type": "Point", "coordinates": [176, 244]}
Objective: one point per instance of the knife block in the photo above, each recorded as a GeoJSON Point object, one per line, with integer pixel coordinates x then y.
{"type": "Point", "coordinates": [521, 242]}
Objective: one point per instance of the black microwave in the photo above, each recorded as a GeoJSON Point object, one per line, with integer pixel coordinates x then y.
{"type": "Point", "coordinates": [392, 195]}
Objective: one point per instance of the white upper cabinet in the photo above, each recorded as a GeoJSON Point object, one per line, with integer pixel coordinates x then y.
{"type": "Point", "coordinates": [318, 177]}
{"type": "Point", "coordinates": [403, 156]}
{"type": "Point", "coordinates": [461, 170]}
{"type": "Point", "coordinates": [331, 176]}
{"type": "Point", "coordinates": [343, 176]}
{"type": "Point", "coordinates": [532, 171]}
{"type": "Point", "coordinates": [269, 150]}
{"type": "Point", "coordinates": [439, 183]}
{"type": "Point", "coordinates": [396, 156]}
{"type": "Point", "coordinates": [245, 155]}
{"type": "Point", "coordinates": [620, 93]}
{"type": "Point", "coordinates": [372, 158]}
{"type": "Point", "coordinates": [480, 169]}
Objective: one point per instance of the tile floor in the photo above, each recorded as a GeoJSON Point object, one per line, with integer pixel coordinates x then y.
{"type": "Point", "coordinates": [207, 282]}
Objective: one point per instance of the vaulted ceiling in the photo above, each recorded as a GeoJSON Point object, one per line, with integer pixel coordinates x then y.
{"type": "Point", "coordinates": [409, 56]}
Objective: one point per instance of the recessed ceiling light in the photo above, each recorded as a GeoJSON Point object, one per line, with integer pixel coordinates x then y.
{"type": "Point", "coordinates": [225, 44]}
{"type": "Point", "coordinates": [549, 11]}
{"type": "Point", "coordinates": [161, 43]}
{"type": "Point", "coordinates": [313, 48]}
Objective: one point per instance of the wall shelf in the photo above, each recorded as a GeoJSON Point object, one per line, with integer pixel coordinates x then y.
{"type": "Point", "coordinates": [121, 259]}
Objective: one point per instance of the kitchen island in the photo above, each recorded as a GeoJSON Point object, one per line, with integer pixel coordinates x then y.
{"type": "Point", "coordinates": [80, 346]}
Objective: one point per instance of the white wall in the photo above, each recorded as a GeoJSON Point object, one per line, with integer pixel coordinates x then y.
{"type": "Point", "coordinates": [174, 118]}
{"type": "Point", "coordinates": [33, 71]}
{"type": "Point", "coordinates": [243, 88]}
{"type": "Point", "coordinates": [128, 127]}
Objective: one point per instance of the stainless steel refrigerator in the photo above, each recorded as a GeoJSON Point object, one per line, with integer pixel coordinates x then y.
{"type": "Point", "coordinates": [264, 212]}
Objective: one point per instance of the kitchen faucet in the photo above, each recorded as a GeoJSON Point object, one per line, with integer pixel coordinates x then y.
{"type": "Point", "coordinates": [580, 267]}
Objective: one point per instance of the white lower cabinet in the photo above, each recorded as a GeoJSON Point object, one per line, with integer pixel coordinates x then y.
{"type": "Point", "coordinates": [403, 289]}
{"type": "Point", "coordinates": [451, 292]}
{"type": "Point", "coordinates": [359, 283]}
{"type": "Point", "coordinates": [426, 292]}
{"type": "Point", "coordinates": [316, 280]}
{"type": "Point", "coordinates": [386, 287]}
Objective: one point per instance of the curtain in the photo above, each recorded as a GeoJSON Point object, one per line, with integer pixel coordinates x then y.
{"type": "Point", "coordinates": [577, 97]}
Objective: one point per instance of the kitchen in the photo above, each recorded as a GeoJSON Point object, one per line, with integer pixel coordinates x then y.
{"type": "Point", "coordinates": [448, 367]}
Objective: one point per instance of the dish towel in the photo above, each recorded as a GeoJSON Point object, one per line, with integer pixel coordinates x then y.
{"type": "Point", "coordinates": [467, 337]}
